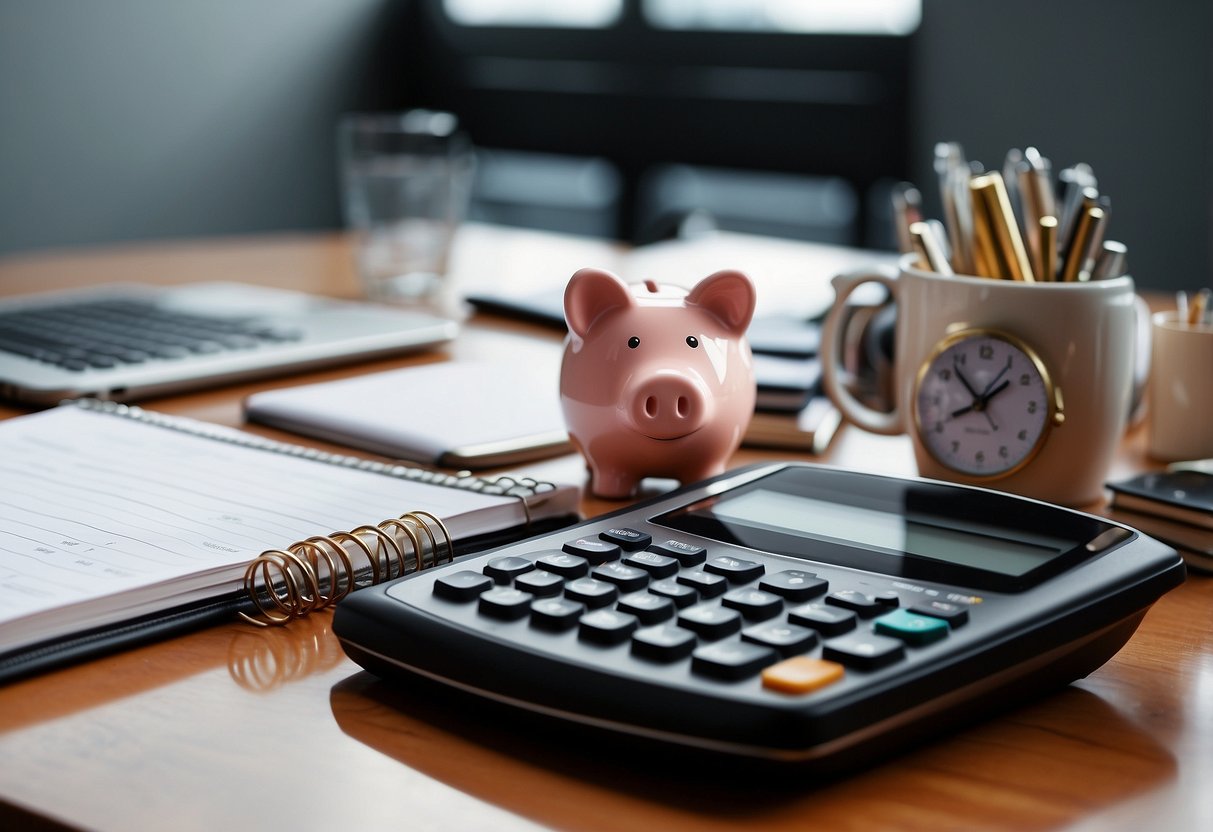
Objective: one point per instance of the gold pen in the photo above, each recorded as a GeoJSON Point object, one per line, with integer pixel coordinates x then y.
{"type": "Point", "coordinates": [1047, 265]}
{"type": "Point", "coordinates": [1090, 218]}
{"type": "Point", "coordinates": [929, 249]}
{"type": "Point", "coordinates": [996, 231]}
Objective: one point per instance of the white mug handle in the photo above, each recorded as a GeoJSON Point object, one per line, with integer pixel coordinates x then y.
{"type": "Point", "coordinates": [890, 423]}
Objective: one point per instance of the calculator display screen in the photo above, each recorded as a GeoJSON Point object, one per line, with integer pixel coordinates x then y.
{"type": "Point", "coordinates": [913, 529]}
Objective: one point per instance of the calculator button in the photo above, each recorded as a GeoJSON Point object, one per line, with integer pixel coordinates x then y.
{"type": "Point", "coordinates": [710, 622]}
{"type": "Point", "coordinates": [649, 608]}
{"type": "Point", "coordinates": [829, 621]}
{"type": "Point", "coordinates": [663, 643]}
{"type": "Point", "coordinates": [864, 651]}
{"type": "Point", "coordinates": [556, 613]}
{"type": "Point", "coordinates": [910, 627]}
{"type": "Point", "coordinates": [954, 614]}
{"type": "Point", "coordinates": [607, 626]}
{"type": "Point", "coordinates": [462, 586]}
{"type": "Point", "coordinates": [887, 599]}
{"type": "Point", "coordinates": [595, 551]}
{"type": "Point", "coordinates": [850, 599]}
{"type": "Point", "coordinates": [659, 566]}
{"type": "Point", "coordinates": [505, 603]}
{"type": "Point", "coordinates": [591, 592]}
{"type": "Point", "coordinates": [786, 639]}
{"type": "Point", "coordinates": [794, 584]}
{"type": "Point", "coordinates": [688, 554]}
{"type": "Point", "coordinates": [682, 596]}
{"type": "Point", "coordinates": [564, 565]}
{"type": "Point", "coordinates": [705, 583]}
{"type": "Point", "coordinates": [738, 571]}
{"type": "Point", "coordinates": [754, 604]}
{"type": "Point", "coordinates": [801, 674]}
{"type": "Point", "coordinates": [627, 578]}
{"type": "Point", "coordinates": [504, 570]}
{"type": "Point", "coordinates": [629, 539]}
{"type": "Point", "coordinates": [732, 660]}
{"type": "Point", "coordinates": [539, 582]}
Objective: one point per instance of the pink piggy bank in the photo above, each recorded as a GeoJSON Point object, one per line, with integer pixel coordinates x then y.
{"type": "Point", "coordinates": [656, 381]}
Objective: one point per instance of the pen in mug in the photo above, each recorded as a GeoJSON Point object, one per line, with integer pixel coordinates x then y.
{"type": "Point", "coordinates": [1181, 307]}
{"type": "Point", "coordinates": [995, 232]}
{"type": "Point", "coordinates": [1047, 236]}
{"type": "Point", "coordinates": [1112, 261]}
{"type": "Point", "coordinates": [907, 210]}
{"type": "Point", "coordinates": [1088, 225]}
{"type": "Point", "coordinates": [929, 249]}
{"type": "Point", "coordinates": [1199, 307]}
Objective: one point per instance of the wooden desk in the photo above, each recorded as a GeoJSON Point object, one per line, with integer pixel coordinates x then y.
{"type": "Point", "coordinates": [232, 727]}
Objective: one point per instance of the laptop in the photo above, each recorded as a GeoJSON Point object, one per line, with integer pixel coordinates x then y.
{"type": "Point", "coordinates": [128, 341]}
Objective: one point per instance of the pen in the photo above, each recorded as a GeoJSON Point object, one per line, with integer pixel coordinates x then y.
{"type": "Point", "coordinates": [1075, 180]}
{"type": "Point", "coordinates": [1036, 198]}
{"type": "Point", "coordinates": [929, 249]}
{"type": "Point", "coordinates": [1094, 245]}
{"type": "Point", "coordinates": [1200, 303]}
{"type": "Point", "coordinates": [995, 231]}
{"type": "Point", "coordinates": [1047, 234]}
{"type": "Point", "coordinates": [907, 210]}
{"type": "Point", "coordinates": [1112, 261]}
{"type": "Point", "coordinates": [953, 175]}
{"type": "Point", "coordinates": [1089, 222]}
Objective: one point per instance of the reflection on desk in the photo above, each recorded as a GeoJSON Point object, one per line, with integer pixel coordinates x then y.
{"type": "Point", "coordinates": [979, 780]}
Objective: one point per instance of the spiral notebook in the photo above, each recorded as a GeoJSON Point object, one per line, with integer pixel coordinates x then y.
{"type": "Point", "coordinates": [118, 525]}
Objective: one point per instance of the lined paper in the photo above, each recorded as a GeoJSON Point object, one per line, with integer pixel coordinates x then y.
{"type": "Point", "coordinates": [104, 518]}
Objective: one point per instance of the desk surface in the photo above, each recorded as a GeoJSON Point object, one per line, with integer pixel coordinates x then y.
{"type": "Point", "coordinates": [277, 729]}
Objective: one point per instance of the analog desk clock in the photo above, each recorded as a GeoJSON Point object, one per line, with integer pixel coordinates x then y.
{"type": "Point", "coordinates": [984, 404]}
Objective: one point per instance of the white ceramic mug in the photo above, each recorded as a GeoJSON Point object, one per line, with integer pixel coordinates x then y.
{"type": "Point", "coordinates": [1181, 390]}
{"type": "Point", "coordinates": [1082, 334]}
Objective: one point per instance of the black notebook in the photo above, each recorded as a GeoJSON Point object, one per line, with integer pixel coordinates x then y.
{"type": "Point", "coordinates": [117, 523]}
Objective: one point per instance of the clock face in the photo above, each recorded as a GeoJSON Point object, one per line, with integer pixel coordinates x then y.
{"type": "Point", "coordinates": [983, 403]}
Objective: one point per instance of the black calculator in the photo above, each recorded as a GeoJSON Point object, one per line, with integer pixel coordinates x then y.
{"type": "Point", "coordinates": [790, 612]}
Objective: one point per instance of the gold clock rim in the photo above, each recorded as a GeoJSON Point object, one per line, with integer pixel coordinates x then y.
{"type": "Point", "coordinates": [1015, 341]}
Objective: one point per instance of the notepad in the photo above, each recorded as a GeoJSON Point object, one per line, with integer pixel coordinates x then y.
{"type": "Point", "coordinates": [457, 414]}
{"type": "Point", "coordinates": [112, 516]}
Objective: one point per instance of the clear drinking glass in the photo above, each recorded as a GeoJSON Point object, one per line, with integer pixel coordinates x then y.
{"type": "Point", "coordinates": [405, 183]}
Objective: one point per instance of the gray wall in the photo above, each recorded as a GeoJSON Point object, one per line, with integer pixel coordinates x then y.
{"type": "Point", "coordinates": [139, 119]}
{"type": "Point", "coordinates": [1124, 85]}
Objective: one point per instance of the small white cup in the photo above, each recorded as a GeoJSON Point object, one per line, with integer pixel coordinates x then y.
{"type": "Point", "coordinates": [1180, 390]}
{"type": "Point", "coordinates": [406, 183]}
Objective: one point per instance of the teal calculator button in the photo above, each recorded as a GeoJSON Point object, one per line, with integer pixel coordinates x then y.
{"type": "Point", "coordinates": [910, 627]}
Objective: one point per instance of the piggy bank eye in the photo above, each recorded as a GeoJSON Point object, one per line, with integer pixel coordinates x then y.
{"type": "Point", "coordinates": [633, 342]}
{"type": "Point", "coordinates": [692, 341]}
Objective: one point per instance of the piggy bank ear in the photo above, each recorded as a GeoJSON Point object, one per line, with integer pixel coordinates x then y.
{"type": "Point", "coordinates": [590, 293]}
{"type": "Point", "coordinates": [729, 295]}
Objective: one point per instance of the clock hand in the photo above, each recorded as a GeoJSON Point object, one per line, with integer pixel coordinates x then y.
{"type": "Point", "coordinates": [956, 366]}
{"type": "Point", "coordinates": [992, 393]}
{"type": "Point", "coordinates": [986, 393]}
{"type": "Point", "coordinates": [985, 399]}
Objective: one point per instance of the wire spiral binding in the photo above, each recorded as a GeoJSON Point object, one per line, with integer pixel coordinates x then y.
{"type": "Point", "coordinates": [313, 574]}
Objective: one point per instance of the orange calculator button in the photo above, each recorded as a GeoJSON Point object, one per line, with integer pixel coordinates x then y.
{"type": "Point", "coordinates": [800, 674]}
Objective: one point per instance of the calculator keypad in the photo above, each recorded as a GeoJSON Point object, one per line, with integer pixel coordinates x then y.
{"type": "Point", "coordinates": [672, 601]}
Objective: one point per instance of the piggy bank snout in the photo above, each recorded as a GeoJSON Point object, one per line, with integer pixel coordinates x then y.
{"type": "Point", "coordinates": [669, 405]}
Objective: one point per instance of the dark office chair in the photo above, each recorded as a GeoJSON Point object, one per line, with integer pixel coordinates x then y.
{"type": "Point", "coordinates": [779, 133]}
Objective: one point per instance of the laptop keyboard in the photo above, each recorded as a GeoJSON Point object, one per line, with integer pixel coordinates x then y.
{"type": "Point", "coordinates": [99, 334]}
